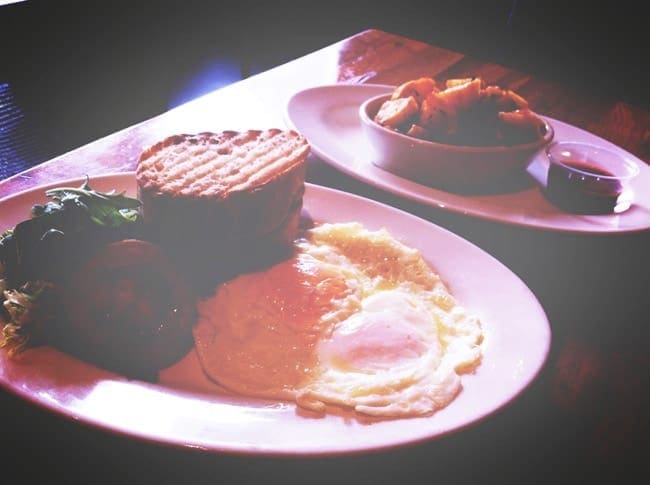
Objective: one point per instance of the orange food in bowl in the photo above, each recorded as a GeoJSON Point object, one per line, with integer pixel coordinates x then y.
{"type": "Point", "coordinates": [467, 112]}
{"type": "Point", "coordinates": [465, 134]}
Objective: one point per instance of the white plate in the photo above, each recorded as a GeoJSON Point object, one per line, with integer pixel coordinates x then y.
{"type": "Point", "coordinates": [328, 117]}
{"type": "Point", "coordinates": [185, 409]}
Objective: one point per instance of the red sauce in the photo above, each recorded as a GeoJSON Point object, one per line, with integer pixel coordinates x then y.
{"type": "Point", "coordinates": [591, 192]}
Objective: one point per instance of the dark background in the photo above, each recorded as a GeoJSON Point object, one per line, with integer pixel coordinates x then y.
{"type": "Point", "coordinates": [81, 70]}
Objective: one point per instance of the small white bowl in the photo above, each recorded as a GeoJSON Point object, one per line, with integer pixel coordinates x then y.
{"type": "Point", "coordinates": [589, 179]}
{"type": "Point", "coordinates": [439, 164]}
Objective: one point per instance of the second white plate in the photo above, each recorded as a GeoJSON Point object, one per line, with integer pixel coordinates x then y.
{"type": "Point", "coordinates": [328, 117]}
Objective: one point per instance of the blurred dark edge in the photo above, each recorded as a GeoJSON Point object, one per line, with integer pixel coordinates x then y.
{"type": "Point", "coordinates": [81, 70]}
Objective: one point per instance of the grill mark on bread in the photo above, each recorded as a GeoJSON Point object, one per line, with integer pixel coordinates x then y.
{"type": "Point", "coordinates": [213, 165]}
{"type": "Point", "coordinates": [221, 203]}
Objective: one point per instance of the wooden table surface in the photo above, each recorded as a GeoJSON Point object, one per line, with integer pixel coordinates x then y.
{"type": "Point", "coordinates": [585, 415]}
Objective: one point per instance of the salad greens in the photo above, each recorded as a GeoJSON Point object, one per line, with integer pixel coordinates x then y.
{"type": "Point", "coordinates": [39, 253]}
{"type": "Point", "coordinates": [106, 209]}
{"type": "Point", "coordinates": [28, 316]}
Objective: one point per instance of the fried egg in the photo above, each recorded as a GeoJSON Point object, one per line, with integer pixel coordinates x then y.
{"type": "Point", "coordinates": [354, 319]}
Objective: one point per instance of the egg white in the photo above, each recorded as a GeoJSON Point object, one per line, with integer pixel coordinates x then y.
{"type": "Point", "coordinates": [365, 324]}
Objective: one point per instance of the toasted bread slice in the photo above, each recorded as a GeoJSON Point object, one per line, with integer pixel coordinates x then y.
{"type": "Point", "coordinates": [246, 182]}
{"type": "Point", "coordinates": [218, 196]}
{"type": "Point", "coordinates": [214, 165]}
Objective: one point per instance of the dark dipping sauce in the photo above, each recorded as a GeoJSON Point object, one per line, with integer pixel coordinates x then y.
{"type": "Point", "coordinates": [590, 192]}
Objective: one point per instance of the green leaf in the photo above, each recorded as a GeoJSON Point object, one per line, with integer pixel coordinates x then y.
{"type": "Point", "coordinates": [104, 208]}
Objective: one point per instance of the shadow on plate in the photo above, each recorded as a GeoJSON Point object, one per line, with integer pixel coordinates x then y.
{"type": "Point", "coordinates": [508, 185]}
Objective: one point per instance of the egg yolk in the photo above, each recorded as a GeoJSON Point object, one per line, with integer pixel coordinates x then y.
{"type": "Point", "coordinates": [370, 342]}
{"type": "Point", "coordinates": [270, 323]}
{"type": "Point", "coordinates": [304, 290]}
